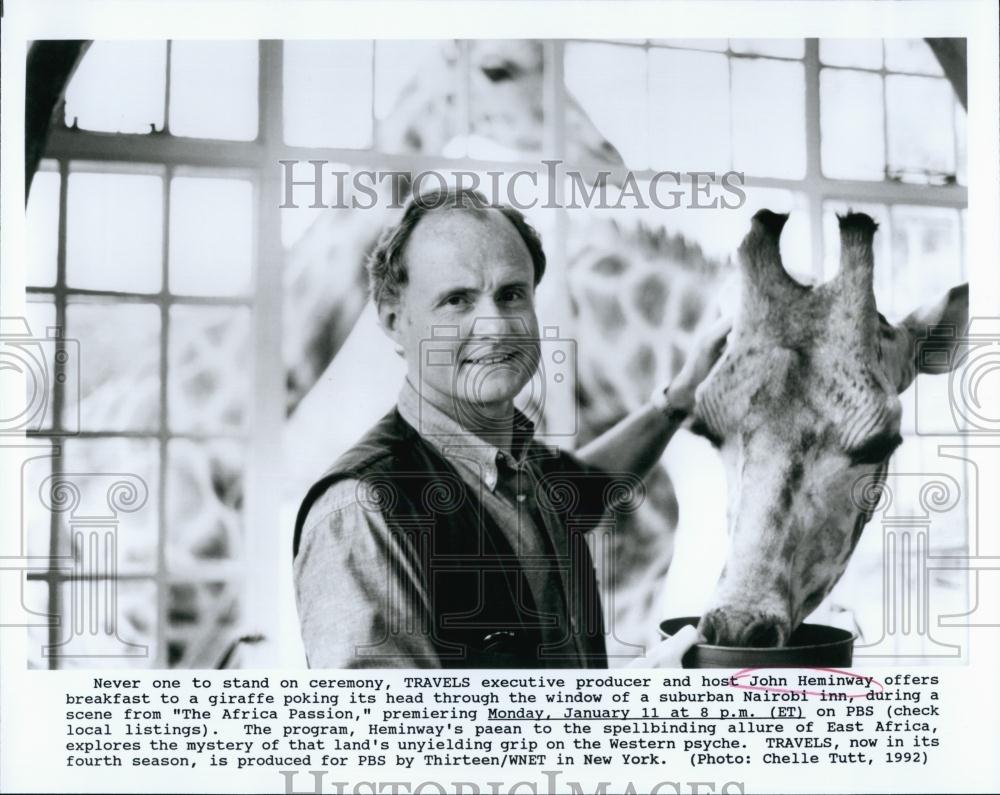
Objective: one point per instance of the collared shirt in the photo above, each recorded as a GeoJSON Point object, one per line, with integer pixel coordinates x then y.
{"type": "Point", "coordinates": [348, 558]}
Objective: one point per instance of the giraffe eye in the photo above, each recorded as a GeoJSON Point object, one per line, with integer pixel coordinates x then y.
{"type": "Point", "coordinates": [497, 74]}
{"type": "Point", "coordinates": [877, 449]}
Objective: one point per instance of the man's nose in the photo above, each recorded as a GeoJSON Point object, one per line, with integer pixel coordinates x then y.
{"type": "Point", "coordinates": [498, 326]}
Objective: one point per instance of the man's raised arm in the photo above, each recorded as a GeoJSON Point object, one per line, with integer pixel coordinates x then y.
{"type": "Point", "coordinates": [636, 443]}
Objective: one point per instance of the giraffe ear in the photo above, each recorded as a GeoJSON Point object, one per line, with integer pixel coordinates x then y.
{"type": "Point", "coordinates": [933, 336]}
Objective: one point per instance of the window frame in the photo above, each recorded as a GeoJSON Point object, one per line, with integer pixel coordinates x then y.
{"type": "Point", "coordinates": [257, 160]}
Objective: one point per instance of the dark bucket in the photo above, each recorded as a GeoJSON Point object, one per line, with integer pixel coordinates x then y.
{"type": "Point", "coordinates": [811, 646]}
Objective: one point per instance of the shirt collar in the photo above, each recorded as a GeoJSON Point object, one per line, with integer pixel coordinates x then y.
{"type": "Point", "coordinates": [453, 441]}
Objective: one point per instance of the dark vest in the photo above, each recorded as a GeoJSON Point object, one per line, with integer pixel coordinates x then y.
{"type": "Point", "coordinates": [482, 614]}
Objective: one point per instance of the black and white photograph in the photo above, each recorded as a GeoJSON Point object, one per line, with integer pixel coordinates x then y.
{"type": "Point", "coordinates": [614, 227]}
{"type": "Point", "coordinates": [345, 353]}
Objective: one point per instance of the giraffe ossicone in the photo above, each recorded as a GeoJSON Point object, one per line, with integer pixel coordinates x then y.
{"type": "Point", "coordinates": [804, 404]}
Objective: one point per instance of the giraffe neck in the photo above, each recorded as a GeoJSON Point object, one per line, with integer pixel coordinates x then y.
{"type": "Point", "coordinates": [638, 310]}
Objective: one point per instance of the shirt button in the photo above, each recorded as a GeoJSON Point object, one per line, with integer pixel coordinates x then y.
{"type": "Point", "coordinates": [522, 497]}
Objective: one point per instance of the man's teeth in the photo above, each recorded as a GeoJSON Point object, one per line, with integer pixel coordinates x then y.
{"type": "Point", "coordinates": [495, 358]}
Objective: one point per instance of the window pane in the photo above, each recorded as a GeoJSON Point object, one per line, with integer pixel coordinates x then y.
{"type": "Point", "coordinates": [786, 48]}
{"type": "Point", "coordinates": [769, 118]}
{"type": "Point", "coordinates": [36, 519]}
{"type": "Point", "coordinates": [914, 465]}
{"type": "Point", "coordinates": [111, 477]}
{"type": "Point", "coordinates": [336, 188]}
{"type": "Point", "coordinates": [201, 623]}
{"type": "Point", "coordinates": [211, 245]}
{"type": "Point", "coordinates": [961, 144]}
{"type": "Point", "coordinates": [328, 93]}
{"type": "Point", "coordinates": [865, 53]}
{"type": "Point", "coordinates": [910, 55]}
{"type": "Point", "coordinates": [114, 227]}
{"type": "Point", "coordinates": [695, 85]}
{"type": "Point", "coordinates": [204, 502]}
{"type": "Point", "coordinates": [921, 129]}
{"type": "Point", "coordinates": [43, 229]}
{"type": "Point", "coordinates": [134, 623]}
{"type": "Point", "coordinates": [928, 406]}
{"type": "Point", "coordinates": [210, 368]}
{"type": "Point", "coordinates": [402, 124]}
{"type": "Point", "coordinates": [397, 63]}
{"type": "Point", "coordinates": [718, 45]}
{"type": "Point", "coordinates": [35, 605]}
{"type": "Point", "coordinates": [927, 258]}
{"type": "Point", "coordinates": [853, 135]}
{"type": "Point", "coordinates": [609, 83]}
{"type": "Point", "coordinates": [118, 87]}
{"type": "Point", "coordinates": [39, 369]}
{"type": "Point", "coordinates": [213, 89]}
{"type": "Point", "coordinates": [119, 367]}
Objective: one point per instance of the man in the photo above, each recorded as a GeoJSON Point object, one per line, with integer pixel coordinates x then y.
{"type": "Point", "coordinates": [448, 536]}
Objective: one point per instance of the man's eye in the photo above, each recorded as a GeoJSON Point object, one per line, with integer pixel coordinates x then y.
{"type": "Point", "coordinates": [515, 294]}
{"type": "Point", "coordinates": [456, 300]}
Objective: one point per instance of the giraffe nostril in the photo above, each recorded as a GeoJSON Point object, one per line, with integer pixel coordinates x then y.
{"type": "Point", "coordinates": [710, 628]}
{"type": "Point", "coordinates": [763, 634]}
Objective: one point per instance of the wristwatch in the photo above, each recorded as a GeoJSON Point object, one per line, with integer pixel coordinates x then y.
{"type": "Point", "coordinates": [662, 403]}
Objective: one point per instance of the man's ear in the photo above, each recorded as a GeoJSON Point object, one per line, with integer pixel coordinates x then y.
{"type": "Point", "coordinates": [389, 320]}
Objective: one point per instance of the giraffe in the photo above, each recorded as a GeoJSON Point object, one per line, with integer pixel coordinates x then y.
{"type": "Point", "coordinates": [804, 406]}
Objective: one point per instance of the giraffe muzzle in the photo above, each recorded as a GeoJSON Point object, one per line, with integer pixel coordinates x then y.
{"type": "Point", "coordinates": [739, 627]}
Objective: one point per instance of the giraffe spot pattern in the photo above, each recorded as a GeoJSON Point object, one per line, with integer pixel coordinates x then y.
{"type": "Point", "coordinates": [608, 313]}
{"type": "Point", "coordinates": [691, 309]}
{"type": "Point", "coordinates": [641, 367]}
{"type": "Point", "coordinates": [651, 298]}
{"type": "Point", "coordinates": [609, 266]}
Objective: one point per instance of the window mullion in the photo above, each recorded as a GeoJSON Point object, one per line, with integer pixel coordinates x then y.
{"type": "Point", "coordinates": [814, 160]}
{"type": "Point", "coordinates": [162, 584]}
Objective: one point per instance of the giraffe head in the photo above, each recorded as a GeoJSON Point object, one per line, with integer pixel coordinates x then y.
{"type": "Point", "coordinates": [501, 95]}
{"type": "Point", "coordinates": [804, 406]}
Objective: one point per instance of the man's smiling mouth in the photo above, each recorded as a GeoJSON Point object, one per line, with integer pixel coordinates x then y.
{"type": "Point", "coordinates": [491, 358]}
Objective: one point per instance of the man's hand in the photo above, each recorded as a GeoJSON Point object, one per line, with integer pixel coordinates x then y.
{"type": "Point", "coordinates": [708, 349]}
{"type": "Point", "coordinates": [668, 653]}
{"type": "Point", "coordinates": [637, 442]}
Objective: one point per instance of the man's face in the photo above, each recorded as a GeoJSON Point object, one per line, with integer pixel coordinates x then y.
{"type": "Point", "coordinates": [466, 319]}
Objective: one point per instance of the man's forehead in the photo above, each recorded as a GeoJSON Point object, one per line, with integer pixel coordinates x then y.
{"type": "Point", "coordinates": [468, 239]}
{"type": "Point", "coordinates": [458, 226]}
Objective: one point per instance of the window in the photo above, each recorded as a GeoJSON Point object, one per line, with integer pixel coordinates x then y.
{"type": "Point", "coordinates": [158, 245]}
